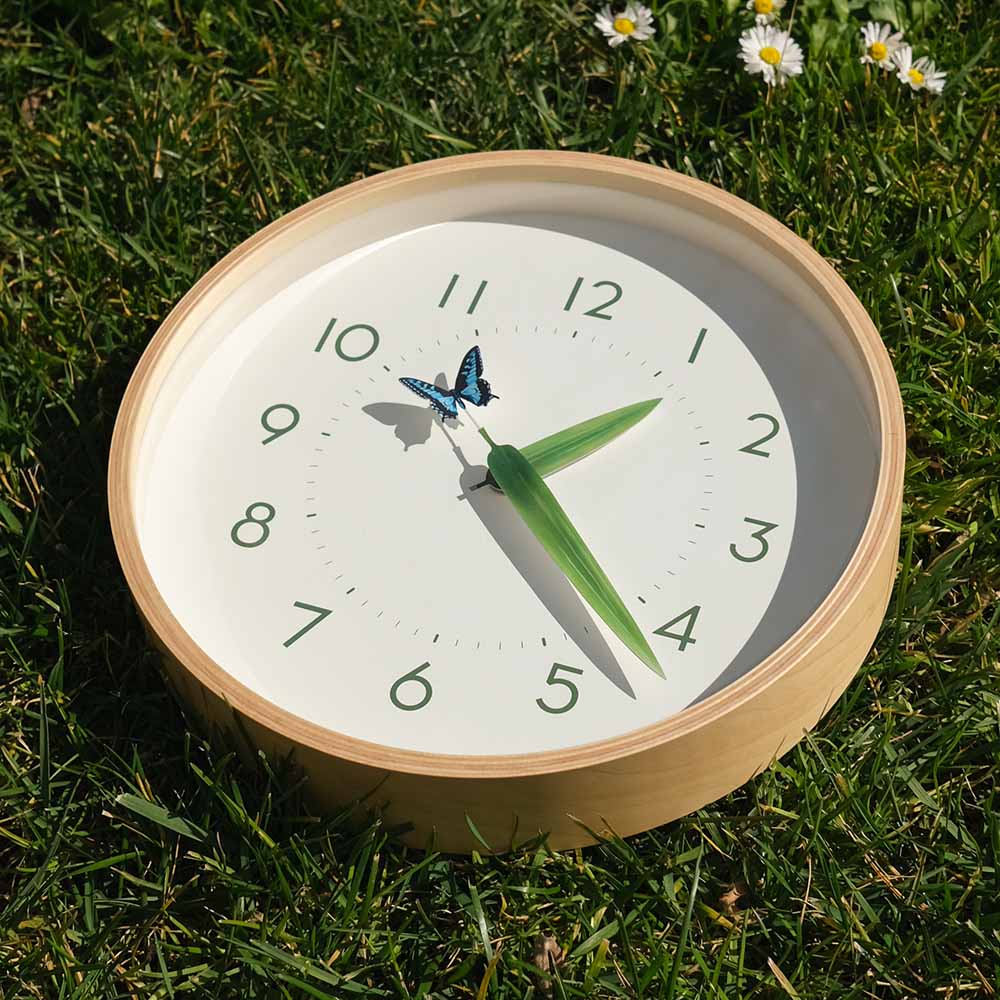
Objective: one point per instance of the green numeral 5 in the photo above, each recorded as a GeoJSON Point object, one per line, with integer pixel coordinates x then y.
{"type": "Point", "coordinates": [553, 680]}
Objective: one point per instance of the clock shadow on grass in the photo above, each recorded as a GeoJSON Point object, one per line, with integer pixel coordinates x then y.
{"type": "Point", "coordinates": [530, 559]}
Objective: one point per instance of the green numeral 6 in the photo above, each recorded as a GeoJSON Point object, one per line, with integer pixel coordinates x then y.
{"type": "Point", "coordinates": [413, 677]}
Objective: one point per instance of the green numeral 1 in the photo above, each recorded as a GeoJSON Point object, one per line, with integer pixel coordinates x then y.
{"type": "Point", "coordinates": [765, 527]}
{"type": "Point", "coordinates": [684, 638]}
{"type": "Point", "coordinates": [320, 613]}
{"type": "Point", "coordinates": [412, 677]}
{"type": "Point", "coordinates": [553, 680]}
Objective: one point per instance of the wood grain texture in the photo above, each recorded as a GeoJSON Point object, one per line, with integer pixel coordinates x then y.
{"type": "Point", "coordinates": [627, 783]}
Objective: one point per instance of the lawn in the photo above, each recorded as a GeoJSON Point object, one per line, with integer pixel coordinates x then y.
{"type": "Point", "coordinates": [142, 141]}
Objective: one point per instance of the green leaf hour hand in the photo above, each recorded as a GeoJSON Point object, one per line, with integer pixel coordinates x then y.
{"type": "Point", "coordinates": [546, 519]}
{"type": "Point", "coordinates": [565, 447]}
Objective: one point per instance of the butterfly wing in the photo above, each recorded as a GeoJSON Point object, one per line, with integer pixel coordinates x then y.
{"type": "Point", "coordinates": [442, 400]}
{"type": "Point", "coordinates": [469, 383]}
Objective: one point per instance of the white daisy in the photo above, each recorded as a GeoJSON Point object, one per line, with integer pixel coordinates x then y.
{"type": "Point", "coordinates": [880, 42]}
{"type": "Point", "coordinates": [771, 52]}
{"type": "Point", "coordinates": [766, 10]}
{"type": "Point", "coordinates": [633, 24]}
{"type": "Point", "coordinates": [920, 74]}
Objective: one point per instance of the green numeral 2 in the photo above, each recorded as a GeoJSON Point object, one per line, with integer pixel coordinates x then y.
{"type": "Point", "coordinates": [684, 638]}
{"type": "Point", "coordinates": [752, 449]}
{"type": "Point", "coordinates": [553, 680]}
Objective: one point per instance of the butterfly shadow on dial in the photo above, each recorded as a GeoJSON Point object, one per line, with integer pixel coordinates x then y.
{"type": "Point", "coordinates": [540, 573]}
{"type": "Point", "coordinates": [413, 422]}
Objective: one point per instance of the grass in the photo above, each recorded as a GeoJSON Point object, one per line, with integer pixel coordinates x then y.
{"type": "Point", "coordinates": [140, 142]}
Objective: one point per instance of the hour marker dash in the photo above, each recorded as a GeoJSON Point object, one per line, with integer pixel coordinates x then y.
{"type": "Point", "coordinates": [326, 434]}
{"type": "Point", "coordinates": [575, 332]}
{"type": "Point", "coordinates": [642, 600]}
{"type": "Point", "coordinates": [544, 643]}
{"type": "Point", "coordinates": [704, 442]}
{"type": "Point", "coordinates": [351, 591]}
{"type": "Point", "coordinates": [697, 525]}
{"type": "Point", "coordinates": [310, 515]}
{"type": "Point", "coordinates": [436, 637]}
{"type": "Point", "coordinates": [660, 372]}
{"type": "Point", "coordinates": [387, 368]}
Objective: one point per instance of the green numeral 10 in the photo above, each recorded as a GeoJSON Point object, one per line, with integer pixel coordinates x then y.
{"type": "Point", "coordinates": [364, 334]}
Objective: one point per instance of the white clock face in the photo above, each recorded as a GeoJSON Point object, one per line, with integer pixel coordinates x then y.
{"type": "Point", "coordinates": [313, 527]}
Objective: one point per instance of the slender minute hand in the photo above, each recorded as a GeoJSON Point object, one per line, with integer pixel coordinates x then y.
{"type": "Point", "coordinates": [541, 512]}
{"type": "Point", "coordinates": [555, 452]}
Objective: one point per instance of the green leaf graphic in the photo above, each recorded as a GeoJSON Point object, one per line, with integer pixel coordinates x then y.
{"type": "Point", "coordinates": [541, 512]}
{"type": "Point", "coordinates": [565, 447]}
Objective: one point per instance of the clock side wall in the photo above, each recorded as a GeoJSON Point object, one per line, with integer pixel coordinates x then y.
{"type": "Point", "coordinates": [633, 793]}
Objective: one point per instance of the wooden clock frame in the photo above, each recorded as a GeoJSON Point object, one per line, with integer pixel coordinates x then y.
{"type": "Point", "coordinates": [628, 783]}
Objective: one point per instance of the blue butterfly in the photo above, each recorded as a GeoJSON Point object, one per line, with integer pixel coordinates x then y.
{"type": "Point", "coordinates": [470, 387]}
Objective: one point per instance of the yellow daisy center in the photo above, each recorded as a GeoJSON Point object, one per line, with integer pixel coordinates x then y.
{"type": "Point", "coordinates": [915, 76]}
{"type": "Point", "coordinates": [624, 25]}
{"type": "Point", "coordinates": [763, 6]}
{"type": "Point", "coordinates": [877, 51]}
{"type": "Point", "coordinates": [770, 55]}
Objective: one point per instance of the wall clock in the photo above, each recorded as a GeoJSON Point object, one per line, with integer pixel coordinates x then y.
{"type": "Point", "coordinates": [313, 549]}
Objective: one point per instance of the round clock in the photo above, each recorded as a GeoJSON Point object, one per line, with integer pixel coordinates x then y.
{"type": "Point", "coordinates": [670, 576]}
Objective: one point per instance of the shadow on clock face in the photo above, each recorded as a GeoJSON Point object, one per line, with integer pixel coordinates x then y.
{"type": "Point", "coordinates": [412, 422]}
{"type": "Point", "coordinates": [536, 567]}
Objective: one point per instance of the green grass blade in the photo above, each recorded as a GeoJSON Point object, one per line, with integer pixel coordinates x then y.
{"type": "Point", "coordinates": [565, 447]}
{"type": "Point", "coordinates": [555, 452]}
{"type": "Point", "coordinates": [542, 513]}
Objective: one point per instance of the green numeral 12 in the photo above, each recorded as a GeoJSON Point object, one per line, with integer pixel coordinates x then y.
{"type": "Point", "coordinates": [596, 310]}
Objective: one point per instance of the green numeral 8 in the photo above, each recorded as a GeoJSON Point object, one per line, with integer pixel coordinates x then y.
{"type": "Point", "coordinates": [260, 522]}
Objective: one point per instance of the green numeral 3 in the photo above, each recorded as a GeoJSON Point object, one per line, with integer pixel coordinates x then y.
{"type": "Point", "coordinates": [765, 527]}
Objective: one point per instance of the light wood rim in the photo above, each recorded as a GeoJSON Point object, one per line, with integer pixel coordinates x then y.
{"type": "Point", "coordinates": [584, 168]}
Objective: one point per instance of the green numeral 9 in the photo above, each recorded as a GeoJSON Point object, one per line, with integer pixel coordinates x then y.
{"type": "Point", "coordinates": [553, 680]}
{"type": "Point", "coordinates": [413, 677]}
{"type": "Point", "coordinates": [276, 432]}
